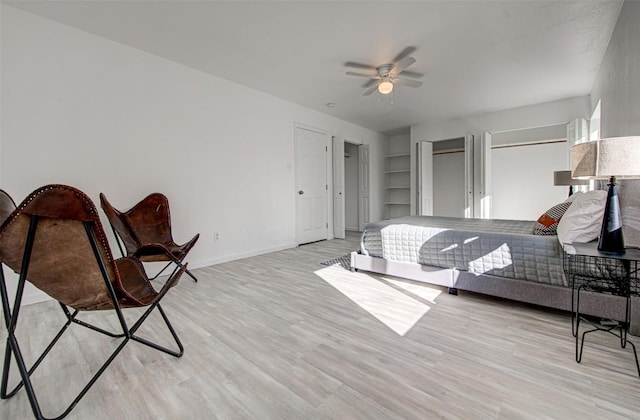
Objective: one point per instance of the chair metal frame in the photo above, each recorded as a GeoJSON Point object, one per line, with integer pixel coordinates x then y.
{"type": "Point", "coordinates": [128, 333]}
{"type": "Point", "coordinates": [172, 259]}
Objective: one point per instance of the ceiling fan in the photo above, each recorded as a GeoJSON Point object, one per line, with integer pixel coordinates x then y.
{"type": "Point", "coordinates": [383, 78]}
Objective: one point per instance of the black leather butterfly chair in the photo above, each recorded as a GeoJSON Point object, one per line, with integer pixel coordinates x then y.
{"type": "Point", "coordinates": [145, 231]}
{"type": "Point", "coordinates": [54, 240]}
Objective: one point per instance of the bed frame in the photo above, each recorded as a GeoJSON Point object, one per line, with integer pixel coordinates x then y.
{"type": "Point", "coordinates": [557, 297]}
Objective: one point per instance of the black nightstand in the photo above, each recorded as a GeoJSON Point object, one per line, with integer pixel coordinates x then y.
{"type": "Point", "coordinates": [588, 269]}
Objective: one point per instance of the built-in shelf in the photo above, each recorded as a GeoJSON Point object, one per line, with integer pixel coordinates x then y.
{"type": "Point", "coordinates": [397, 168]}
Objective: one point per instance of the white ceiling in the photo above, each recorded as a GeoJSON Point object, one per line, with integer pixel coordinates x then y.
{"type": "Point", "coordinates": [476, 56]}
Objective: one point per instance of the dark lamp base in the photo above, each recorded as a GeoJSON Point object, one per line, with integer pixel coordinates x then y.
{"type": "Point", "coordinates": [611, 240]}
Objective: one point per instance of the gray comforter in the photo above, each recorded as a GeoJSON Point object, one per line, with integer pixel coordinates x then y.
{"type": "Point", "coordinates": [504, 248]}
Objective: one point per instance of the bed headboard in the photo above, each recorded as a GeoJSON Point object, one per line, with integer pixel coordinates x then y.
{"type": "Point", "coordinates": [629, 196]}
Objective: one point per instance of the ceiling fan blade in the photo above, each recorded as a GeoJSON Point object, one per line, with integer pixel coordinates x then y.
{"type": "Point", "coordinates": [408, 82]}
{"type": "Point", "coordinates": [371, 90]}
{"type": "Point", "coordinates": [403, 64]}
{"type": "Point", "coordinates": [369, 83]}
{"type": "Point", "coordinates": [405, 53]}
{"type": "Point", "coordinates": [359, 65]}
{"type": "Point", "coordinates": [353, 73]}
{"type": "Point", "coordinates": [407, 73]}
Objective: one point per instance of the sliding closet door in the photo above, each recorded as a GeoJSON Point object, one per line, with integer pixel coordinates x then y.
{"type": "Point", "coordinates": [482, 177]}
{"type": "Point", "coordinates": [425, 178]}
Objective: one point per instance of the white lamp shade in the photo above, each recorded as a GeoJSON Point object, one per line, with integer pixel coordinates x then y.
{"type": "Point", "coordinates": [604, 158]}
{"type": "Point", "coordinates": [385, 87]}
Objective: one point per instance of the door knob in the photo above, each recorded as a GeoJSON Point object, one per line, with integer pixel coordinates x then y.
{"type": "Point", "coordinates": [300, 192]}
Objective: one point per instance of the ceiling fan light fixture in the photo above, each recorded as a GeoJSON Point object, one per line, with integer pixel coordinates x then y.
{"type": "Point", "coordinates": [385, 87]}
{"type": "Point", "coordinates": [386, 75]}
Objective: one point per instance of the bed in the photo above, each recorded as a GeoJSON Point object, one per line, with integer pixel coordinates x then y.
{"type": "Point", "coordinates": [501, 258]}
{"type": "Point", "coordinates": [503, 248]}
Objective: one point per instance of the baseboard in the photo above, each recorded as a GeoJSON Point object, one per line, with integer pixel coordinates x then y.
{"type": "Point", "coordinates": [36, 296]}
{"type": "Point", "coordinates": [233, 257]}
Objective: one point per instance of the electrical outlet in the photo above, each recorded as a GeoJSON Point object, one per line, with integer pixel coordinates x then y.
{"type": "Point", "coordinates": [216, 236]}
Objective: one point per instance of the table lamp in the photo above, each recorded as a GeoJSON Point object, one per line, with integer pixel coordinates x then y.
{"type": "Point", "coordinates": [563, 178]}
{"type": "Point", "coordinates": [615, 157]}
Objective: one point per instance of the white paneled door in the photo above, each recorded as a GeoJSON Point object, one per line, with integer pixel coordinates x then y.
{"type": "Point", "coordinates": [364, 192]}
{"type": "Point", "coordinates": [338, 188]}
{"type": "Point", "coordinates": [311, 185]}
{"type": "Point", "coordinates": [468, 175]}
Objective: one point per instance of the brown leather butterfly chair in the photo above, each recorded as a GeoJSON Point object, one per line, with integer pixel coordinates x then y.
{"type": "Point", "coordinates": [145, 231]}
{"type": "Point", "coordinates": [54, 239]}
{"type": "Point", "coordinates": [7, 206]}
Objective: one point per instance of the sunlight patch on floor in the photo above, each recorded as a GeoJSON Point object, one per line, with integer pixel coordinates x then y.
{"type": "Point", "coordinates": [423, 291]}
{"type": "Point", "coordinates": [395, 309]}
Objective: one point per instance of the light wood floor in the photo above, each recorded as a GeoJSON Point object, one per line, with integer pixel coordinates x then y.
{"type": "Point", "coordinates": [281, 337]}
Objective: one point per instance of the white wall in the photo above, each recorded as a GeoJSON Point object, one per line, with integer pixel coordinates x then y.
{"type": "Point", "coordinates": [81, 110]}
{"type": "Point", "coordinates": [522, 179]}
{"type": "Point", "coordinates": [618, 86]}
{"type": "Point", "coordinates": [1, 89]}
{"type": "Point", "coordinates": [523, 162]}
{"type": "Point", "coordinates": [448, 184]}
{"type": "Point", "coordinates": [398, 143]}
{"type": "Point", "coordinates": [545, 114]}
{"type": "Point", "coordinates": [618, 81]}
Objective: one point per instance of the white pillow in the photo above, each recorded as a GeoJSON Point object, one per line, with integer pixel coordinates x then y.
{"type": "Point", "coordinates": [583, 219]}
{"type": "Point", "coordinates": [573, 196]}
